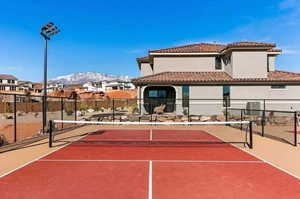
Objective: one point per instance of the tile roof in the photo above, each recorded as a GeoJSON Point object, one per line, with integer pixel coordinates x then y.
{"type": "Point", "coordinates": [193, 48]}
{"type": "Point", "coordinates": [145, 59]}
{"type": "Point", "coordinates": [211, 47]}
{"type": "Point", "coordinates": [121, 94]}
{"type": "Point", "coordinates": [214, 77]}
{"type": "Point", "coordinates": [91, 95]}
{"type": "Point", "coordinates": [7, 77]}
{"type": "Point", "coordinates": [251, 44]}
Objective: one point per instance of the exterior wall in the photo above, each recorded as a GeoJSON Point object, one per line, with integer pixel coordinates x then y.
{"type": "Point", "coordinates": [208, 100]}
{"type": "Point", "coordinates": [289, 97]}
{"type": "Point", "coordinates": [184, 64]}
{"type": "Point", "coordinates": [146, 69]}
{"type": "Point", "coordinates": [206, 107]}
{"type": "Point", "coordinates": [271, 62]}
{"type": "Point", "coordinates": [249, 64]}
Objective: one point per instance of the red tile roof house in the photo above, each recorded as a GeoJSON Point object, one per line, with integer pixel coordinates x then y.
{"type": "Point", "coordinates": [241, 70]}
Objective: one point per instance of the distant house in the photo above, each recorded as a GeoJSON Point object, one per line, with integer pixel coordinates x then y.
{"type": "Point", "coordinates": [54, 86]}
{"type": "Point", "coordinates": [105, 85]}
{"type": "Point", "coordinates": [24, 86]}
{"type": "Point", "coordinates": [118, 85]}
{"type": "Point", "coordinates": [241, 70]}
{"type": "Point", "coordinates": [37, 87]}
{"type": "Point", "coordinates": [8, 82]}
{"type": "Point", "coordinates": [93, 86]}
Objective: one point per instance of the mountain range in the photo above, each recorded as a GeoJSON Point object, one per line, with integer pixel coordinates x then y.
{"type": "Point", "coordinates": [81, 78]}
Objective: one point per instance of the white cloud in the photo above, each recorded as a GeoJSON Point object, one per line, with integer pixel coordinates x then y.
{"type": "Point", "coordinates": [289, 51]}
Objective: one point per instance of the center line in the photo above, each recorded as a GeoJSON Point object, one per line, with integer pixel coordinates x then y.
{"type": "Point", "coordinates": [150, 134]}
{"type": "Point", "coordinates": [150, 180]}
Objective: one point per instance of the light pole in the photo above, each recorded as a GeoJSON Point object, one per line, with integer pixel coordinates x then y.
{"type": "Point", "coordinates": [47, 31]}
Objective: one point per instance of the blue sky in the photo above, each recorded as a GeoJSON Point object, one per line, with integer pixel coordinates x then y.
{"type": "Point", "coordinates": [107, 36]}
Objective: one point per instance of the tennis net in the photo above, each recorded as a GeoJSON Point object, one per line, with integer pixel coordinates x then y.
{"type": "Point", "coordinates": [152, 133]}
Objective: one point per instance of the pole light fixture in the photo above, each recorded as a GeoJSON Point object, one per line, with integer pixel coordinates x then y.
{"type": "Point", "coordinates": [47, 31]}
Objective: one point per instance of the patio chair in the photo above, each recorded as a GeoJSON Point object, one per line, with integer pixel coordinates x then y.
{"type": "Point", "coordinates": [159, 109]}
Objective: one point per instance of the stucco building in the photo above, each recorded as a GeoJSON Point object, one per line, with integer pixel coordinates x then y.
{"type": "Point", "coordinates": [234, 74]}
{"type": "Point", "coordinates": [8, 82]}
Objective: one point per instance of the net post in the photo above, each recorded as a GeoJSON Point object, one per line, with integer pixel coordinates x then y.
{"type": "Point", "coordinates": [50, 133]}
{"type": "Point", "coordinates": [295, 127]}
{"type": "Point", "coordinates": [15, 118]}
{"type": "Point", "coordinates": [241, 119]}
{"type": "Point", "coordinates": [250, 135]}
{"type": "Point", "coordinates": [263, 119]}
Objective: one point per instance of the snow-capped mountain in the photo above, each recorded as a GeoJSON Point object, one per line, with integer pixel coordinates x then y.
{"type": "Point", "coordinates": [81, 78]}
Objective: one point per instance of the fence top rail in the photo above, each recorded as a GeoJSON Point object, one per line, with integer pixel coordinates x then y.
{"type": "Point", "coordinates": [278, 111]}
{"type": "Point", "coordinates": [191, 99]}
{"type": "Point", "coordinates": [25, 95]}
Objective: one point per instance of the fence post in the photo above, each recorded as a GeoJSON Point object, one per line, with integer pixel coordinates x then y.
{"type": "Point", "coordinates": [15, 118]}
{"type": "Point", "coordinates": [75, 108]}
{"type": "Point", "coordinates": [189, 112]}
{"type": "Point", "coordinates": [226, 110]}
{"type": "Point", "coordinates": [250, 135]}
{"type": "Point", "coordinates": [295, 127]}
{"type": "Point", "coordinates": [62, 111]}
{"type": "Point", "coordinates": [50, 133]}
{"type": "Point", "coordinates": [263, 119]}
{"type": "Point", "coordinates": [113, 109]}
{"type": "Point", "coordinates": [43, 111]}
{"type": "Point", "coordinates": [151, 111]}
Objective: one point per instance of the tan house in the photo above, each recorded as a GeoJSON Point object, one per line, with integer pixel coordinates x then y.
{"type": "Point", "coordinates": [8, 82]}
{"type": "Point", "coordinates": [180, 75]}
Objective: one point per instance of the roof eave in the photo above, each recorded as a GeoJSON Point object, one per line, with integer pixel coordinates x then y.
{"type": "Point", "coordinates": [166, 54]}
{"type": "Point", "coordinates": [263, 83]}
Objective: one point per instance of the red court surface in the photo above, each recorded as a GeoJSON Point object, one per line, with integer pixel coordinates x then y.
{"type": "Point", "coordinates": [149, 172]}
{"type": "Point", "coordinates": [298, 132]}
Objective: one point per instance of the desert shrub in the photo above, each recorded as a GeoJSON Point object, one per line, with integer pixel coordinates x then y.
{"type": "Point", "coordinates": [69, 112]}
{"type": "Point", "coordinates": [3, 140]}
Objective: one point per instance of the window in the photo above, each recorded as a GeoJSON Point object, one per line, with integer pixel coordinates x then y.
{"type": "Point", "coordinates": [226, 96]}
{"type": "Point", "coordinates": [218, 64]}
{"type": "Point", "coordinates": [278, 87]}
{"type": "Point", "coordinates": [158, 93]}
{"type": "Point", "coordinates": [227, 59]}
{"type": "Point", "coordinates": [185, 96]}
{"type": "Point", "coordinates": [0, 80]}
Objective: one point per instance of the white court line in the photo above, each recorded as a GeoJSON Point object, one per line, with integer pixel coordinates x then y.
{"type": "Point", "coordinates": [179, 161]}
{"type": "Point", "coordinates": [151, 133]}
{"type": "Point", "coordinates": [272, 164]}
{"type": "Point", "coordinates": [37, 159]}
{"type": "Point", "coordinates": [267, 162]}
{"type": "Point", "coordinates": [34, 160]}
{"type": "Point", "coordinates": [150, 180]}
